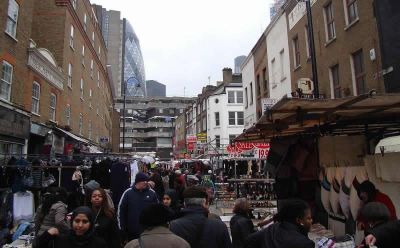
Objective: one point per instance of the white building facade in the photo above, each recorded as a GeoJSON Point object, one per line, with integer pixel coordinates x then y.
{"type": "Point", "coordinates": [278, 57]}
{"type": "Point", "coordinates": [249, 103]}
{"type": "Point", "coordinates": [225, 117]}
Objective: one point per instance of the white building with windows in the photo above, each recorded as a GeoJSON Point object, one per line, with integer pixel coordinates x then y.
{"type": "Point", "coordinates": [248, 80]}
{"type": "Point", "coordinates": [278, 57]}
{"type": "Point", "coordinates": [225, 116]}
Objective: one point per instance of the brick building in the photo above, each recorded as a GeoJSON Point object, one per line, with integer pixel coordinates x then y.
{"type": "Point", "coordinates": [70, 31]}
{"type": "Point", "coordinates": [346, 46]}
{"type": "Point", "coordinates": [15, 23]}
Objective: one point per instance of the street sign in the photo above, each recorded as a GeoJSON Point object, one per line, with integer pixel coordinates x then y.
{"type": "Point", "coordinates": [267, 103]}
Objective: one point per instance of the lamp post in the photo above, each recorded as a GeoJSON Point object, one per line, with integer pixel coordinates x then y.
{"type": "Point", "coordinates": [312, 48]}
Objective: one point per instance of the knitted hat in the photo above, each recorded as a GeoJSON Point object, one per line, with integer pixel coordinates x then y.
{"type": "Point", "coordinates": [141, 177]}
{"type": "Point", "coordinates": [154, 215]}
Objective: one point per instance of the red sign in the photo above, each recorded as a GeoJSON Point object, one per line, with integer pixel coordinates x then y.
{"type": "Point", "coordinates": [240, 147]}
{"type": "Point", "coordinates": [190, 146]}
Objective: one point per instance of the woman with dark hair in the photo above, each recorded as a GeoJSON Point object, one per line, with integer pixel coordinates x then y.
{"type": "Point", "coordinates": [105, 220]}
{"type": "Point", "coordinates": [170, 200]}
{"type": "Point", "coordinates": [82, 234]}
{"type": "Point", "coordinates": [241, 224]}
{"type": "Point", "coordinates": [52, 212]}
{"type": "Point", "coordinates": [293, 222]}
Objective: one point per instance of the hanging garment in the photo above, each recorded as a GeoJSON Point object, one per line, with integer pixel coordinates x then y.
{"type": "Point", "coordinates": [120, 180]}
{"type": "Point", "coordinates": [335, 190]}
{"type": "Point", "coordinates": [325, 193]}
{"type": "Point", "coordinates": [23, 206]}
{"type": "Point", "coordinates": [344, 196]}
{"type": "Point", "coordinates": [355, 202]}
{"type": "Point", "coordinates": [134, 171]}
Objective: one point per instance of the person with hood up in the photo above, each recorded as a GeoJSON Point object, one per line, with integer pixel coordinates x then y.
{"type": "Point", "coordinates": [154, 219]}
{"type": "Point", "coordinates": [81, 235]}
{"type": "Point", "coordinates": [133, 201]}
{"type": "Point", "coordinates": [170, 200]}
{"type": "Point", "coordinates": [241, 224]}
{"type": "Point", "coordinates": [293, 222]}
{"type": "Point", "coordinates": [195, 227]}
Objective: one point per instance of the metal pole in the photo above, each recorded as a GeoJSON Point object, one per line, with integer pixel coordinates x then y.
{"type": "Point", "coordinates": [123, 119]}
{"type": "Point", "coordinates": [312, 49]}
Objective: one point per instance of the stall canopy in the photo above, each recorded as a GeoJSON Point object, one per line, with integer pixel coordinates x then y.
{"type": "Point", "coordinates": [73, 136]}
{"type": "Point", "coordinates": [388, 145]}
{"type": "Point", "coordinates": [368, 114]}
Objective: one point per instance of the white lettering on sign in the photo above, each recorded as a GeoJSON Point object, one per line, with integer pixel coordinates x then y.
{"type": "Point", "coordinates": [267, 103]}
{"type": "Point", "coordinates": [40, 67]}
{"type": "Point", "coordinates": [261, 153]}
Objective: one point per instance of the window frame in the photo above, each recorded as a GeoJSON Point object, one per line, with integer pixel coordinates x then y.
{"type": "Point", "coordinates": [329, 17]}
{"type": "Point", "coordinates": [230, 118]}
{"type": "Point", "coordinates": [218, 141]}
{"type": "Point", "coordinates": [351, 4]}
{"type": "Point", "coordinates": [71, 36]}
{"type": "Point", "coordinates": [83, 55]}
{"type": "Point", "coordinates": [296, 51]}
{"type": "Point", "coordinates": [237, 96]}
{"type": "Point", "coordinates": [335, 81]}
{"type": "Point", "coordinates": [3, 80]}
{"type": "Point", "coordinates": [359, 71]}
{"type": "Point", "coordinates": [53, 109]}
{"type": "Point", "coordinates": [264, 78]}
{"type": "Point", "coordinates": [217, 119]}
{"type": "Point", "coordinates": [35, 98]}
{"type": "Point", "coordinates": [12, 20]}
{"type": "Point", "coordinates": [85, 22]}
{"type": "Point", "coordinates": [238, 119]}
{"type": "Point", "coordinates": [231, 97]}
{"type": "Point", "coordinates": [258, 86]}
{"type": "Point", "coordinates": [251, 93]}
{"type": "Point", "coordinates": [81, 89]}
{"type": "Point", "coordinates": [68, 115]}
{"type": "Point", "coordinates": [69, 80]}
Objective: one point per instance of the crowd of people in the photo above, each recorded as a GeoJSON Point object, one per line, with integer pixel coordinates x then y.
{"type": "Point", "coordinates": [156, 212]}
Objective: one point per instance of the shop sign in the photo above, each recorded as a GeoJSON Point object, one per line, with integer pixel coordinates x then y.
{"type": "Point", "coordinates": [261, 152]}
{"type": "Point", "coordinates": [191, 139]}
{"type": "Point", "coordinates": [297, 13]}
{"type": "Point", "coordinates": [267, 103]}
{"type": "Point", "coordinates": [190, 146]}
{"type": "Point", "coordinates": [240, 147]}
{"type": "Point", "coordinates": [14, 124]}
{"type": "Point", "coordinates": [202, 138]}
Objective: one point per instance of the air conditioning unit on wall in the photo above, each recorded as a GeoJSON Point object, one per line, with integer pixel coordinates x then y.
{"type": "Point", "coordinates": [306, 85]}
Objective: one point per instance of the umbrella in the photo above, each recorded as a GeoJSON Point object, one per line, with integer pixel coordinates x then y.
{"type": "Point", "coordinates": [148, 159]}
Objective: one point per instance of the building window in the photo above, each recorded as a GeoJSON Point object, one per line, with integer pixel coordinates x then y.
{"type": "Point", "coordinates": [71, 37]}
{"type": "Point", "coordinates": [232, 118]}
{"type": "Point", "coordinates": [231, 97]}
{"type": "Point", "coordinates": [217, 119]}
{"type": "Point", "coordinates": [93, 38]}
{"type": "Point", "coordinates": [258, 86]}
{"type": "Point", "coordinates": [308, 50]}
{"type": "Point", "coordinates": [329, 22]}
{"type": "Point", "coordinates": [99, 51]}
{"type": "Point", "coordinates": [98, 78]}
{"type": "Point", "coordinates": [273, 73]}
{"type": "Point", "coordinates": [217, 141]}
{"type": "Point", "coordinates": [231, 138]}
{"type": "Point", "coordinates": [53, 104]}
{"type": "Point", "coordinates": [6, 79]}
{"type": "Point", "coordinates": [91, 68]}
{"type": "Point", "coordinates": [80, 123]}
{"type": "Point", "coordinates": [90, 129]}
{"type": "Point", "coordinates": [12, 18]}
{"type": "Point", "coordinates": [264, 78]}
{"type": "Point", "coordinates": [335, 82]}
{"type": "Point", "coordinates": [359, 72]}
{"type": "Point", "coordinates": [239, 96]}
{"type": "Point", "coordinates": [282, 63]}
{"type": "Point", "coordinates": [240, 119]}
{"type": "Point", "coordinates": [296, 51]}
{"type": "Point", "coordinates": [81, 89]}
{"type": "Point", "coordinates": [246, 98]}
{"type": "Point", "coordinates": [69, 75]}
{"type": "Point", "coordinates": [352, 12]}
{"type": "Point", "coordinates": [90, 98]}
{"type": "Point", "coordinates": [73, 3]}
{"type": "Point", "coordinates": [83, 55]}
{"type": "Point", "coordinates": [68, 115]}
{"type": "Point", "coordinates": [85, 22]}
{"type": "Point", "coordinates": [35, 97]}
{"type": "Point", "coordinates": [251, 93]}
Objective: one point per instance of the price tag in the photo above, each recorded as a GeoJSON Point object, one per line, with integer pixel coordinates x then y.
{"type": "Point", "coordinates": [261, 152]}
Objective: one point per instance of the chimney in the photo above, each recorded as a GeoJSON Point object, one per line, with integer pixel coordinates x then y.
{"type": "Point", "coordinates": [227, 75]}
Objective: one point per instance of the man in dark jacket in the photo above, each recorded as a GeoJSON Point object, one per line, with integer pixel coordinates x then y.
{"type": "Point", "coordinates": [384, 235]}
{"type": "Point", "coordinates": [195, 227]}
{"type": "Point", "coordinates": [133, 201]}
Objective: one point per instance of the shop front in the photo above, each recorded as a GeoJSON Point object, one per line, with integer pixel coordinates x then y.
{"type": "Point", "coordinates": [14, 130]}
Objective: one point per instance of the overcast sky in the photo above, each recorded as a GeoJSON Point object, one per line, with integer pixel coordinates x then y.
{"type": "Point", "coordinates": [185, 41]}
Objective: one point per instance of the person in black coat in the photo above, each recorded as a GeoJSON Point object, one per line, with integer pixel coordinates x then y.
{"type": "Point", "coordinates": [170, 200]}
{"type": "Point", "coordinates": [82, 234]}
{"type": "Point", "coordinates": [241, 224]}
{"type": "Point", "coordinates": [105, 220]}
{"type": "Point", "coordinates": [293, 222]}
{"type": "Point", "coordinates": [380, 231]}
{"type": "Point", "coordinates": [195, 227]}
